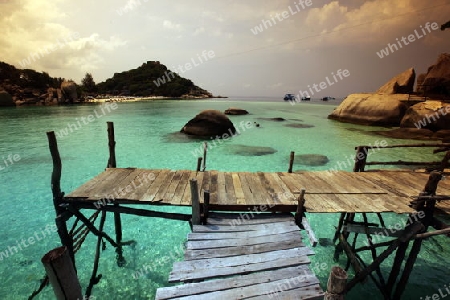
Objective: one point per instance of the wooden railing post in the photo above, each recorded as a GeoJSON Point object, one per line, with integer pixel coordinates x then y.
{"type": "Point", "coordinates": [205, 151]}
{"type": "Point", "coordinates": [205, 206]}
{"type": "Point", "coordinates": [291, 161]}
{"type": "Point", "coordinates": [195, 202]}
{"type": "Point", "coordinates": [360, 158]}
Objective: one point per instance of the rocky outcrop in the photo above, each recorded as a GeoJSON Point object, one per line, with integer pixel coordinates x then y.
{"type": "Point", "coordinates": [432, 115]}
{"type": "Point", "coordinates": [209, 123]}
{"type": "Point", "coordinates": [437, 80]}
{"type": "Point", "coordinates": [69, 91]}
{"type": "Point", "coordinates": [236, 111]}
{"type": "Point", "coordinates": [371, 109]}
{"type": "Point", "coordinates": [6, 99]}
{"type": "Point", "coordinates": [401, 84]}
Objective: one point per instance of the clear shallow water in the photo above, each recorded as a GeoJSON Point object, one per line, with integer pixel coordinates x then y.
{"type": "Point", "coordinates": [145, 138]}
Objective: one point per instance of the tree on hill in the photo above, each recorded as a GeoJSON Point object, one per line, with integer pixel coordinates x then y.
{"type": "Point", "coordinates": [88, 85]}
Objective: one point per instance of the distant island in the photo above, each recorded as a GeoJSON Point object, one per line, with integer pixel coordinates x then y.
{"type": "Point", "coordinates": [152, 80]}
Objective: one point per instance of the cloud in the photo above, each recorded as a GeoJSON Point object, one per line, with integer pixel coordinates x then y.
{"type": "Point", "coordinates": [172, 26]}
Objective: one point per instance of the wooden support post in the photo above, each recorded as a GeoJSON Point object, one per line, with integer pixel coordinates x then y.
{"type": "Point", "coordinates": [56, 173]}
{"type": "Point", "coordinates": [336, 284]}
{"type": "Point", "coordinates": [360, 158]}
{"type": "Point", "coordinates": [291, 161]}
{"type": "Point", "coordinates": [61, 215]}
{"type": "Point", "coordinates": [205, 151]}
{"type": "Point", "coordinates": [205, 206]}
{"type": "Point", "coordinates": [117, 219]}
{"type": "Point", "coordinates": [300, 207]}
{"type": "Point", "coordinates": [112, 146]}
{"type": "Point", "coordinates": [195, 202]}
{"type": "Point", "coordinates": [94, 278]}
{"type": "Point", "coordinates": [62, 275]}
{"type": "Point", "coordinates": [338, 229]}
{"type": "Point", "coordinates": [351, 256]}
{"type": "Point", "coordinates": [312, 237]}
{"type": "Point", "coordinates": [199, 164]}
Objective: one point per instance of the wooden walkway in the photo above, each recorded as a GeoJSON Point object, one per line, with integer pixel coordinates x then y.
{"type": "Point", "coordinates": [383, 191]}
{"type": "Point", "coordinates": [259, 258]}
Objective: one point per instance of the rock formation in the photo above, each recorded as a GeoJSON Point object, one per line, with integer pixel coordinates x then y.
{"type": "Point", "coordinates": [236, 111]}
{"type": "Point", "coordinates": [432, 115]}
{"type": "Point", "coordinates": [437, 79]}
{"type": "Point", "coordinates": [69, 91]}
{"type": "Point", "coordinates": [401, 84]}
{"type": "Point", "coordinates": [371, 109]}
{"type": "Point", "coordinates": [209, 123]}
{"type": "Point", "coordinates": [6, 99]}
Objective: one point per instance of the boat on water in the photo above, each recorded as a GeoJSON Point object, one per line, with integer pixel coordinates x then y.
{"type": "Point", "coordinates": [307, 98]}
{"type": "Point", "coordinates": [289, 97]}
{"type": "Point", "coordinates": [328, 98]}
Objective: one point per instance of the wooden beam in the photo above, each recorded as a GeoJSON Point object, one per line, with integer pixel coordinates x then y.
{"type": "Point", "coordinates": [414, 228]}
{"type": "Point", "coordinates": [56, 173]}
{"type": "Point", "coordinates": [300, 207]}
{"type": "Point", "coordinates": [348, 250]}
{"type": "Point", "coordinates": [312, 237]}
{"type": "Point", "coordinates": [111, 146]}
{"type": "Point", "coordinates": [373, 230]}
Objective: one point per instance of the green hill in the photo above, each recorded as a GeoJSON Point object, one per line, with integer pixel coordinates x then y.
{"type": "Point", "coordinates": [151, 79]}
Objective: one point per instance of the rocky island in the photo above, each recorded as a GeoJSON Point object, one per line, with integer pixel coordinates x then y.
{"type": "Point", "coordinates": [151, 80]}
{"type": "Point", "coordinates": [420, 114]}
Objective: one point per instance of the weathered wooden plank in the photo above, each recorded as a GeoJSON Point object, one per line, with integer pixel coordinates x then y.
{"type": "Point", "coordinates": [206, 182]}
{"type": "Point", "coordinates": [254, 217]}
{"type": "Point", "coordinates": [250, 241]}
{"type": "Point", "coordinates": [229, 186]}
{"type": "Point", "coordinates": [110, 185]}
{"type": "Point", "coordinates": [310, 292]}
{"type": "Point", "coordinates": [248, 195]}
{"type": "Point", "coordinates": [238, 191]}
{"type": "Point", "coordinates": [213, 187]}
{"type": "Point", "coordinates": [206, 273]}
{"type": "Point", "coordinates": [170, 192]}
{"type": "Point", "coordinates": [231, 283]}
{"type": "Point", "coordinates": [149, 195]}
{"type": "Point", "coordinates": [159, 196]}
{"type": "Point", "coordinates": [145, 179]}
{"type": "Point", "coordinates": [194, 236]}
{"type": "Point", "coordinates": [304, 285]}
{"type": "Point", "coordinates": [259, 192]}
{"type": "Point", "coordinates": [235, 227]}
{"type": "Point", "coordinates": [221, 191]}
{"type": "Point", "coordinates": [279, 194]}
{"type": "Point", "coordinates": [85, 189]}
{"type": "Point", "coordinates": [180, 189]}
{"type": "Point", "coordinates": [242, 260]}
{"type": "Point", "coordinates": [240, 250]}
{"type": "Point", "coordinates": [186, 198]}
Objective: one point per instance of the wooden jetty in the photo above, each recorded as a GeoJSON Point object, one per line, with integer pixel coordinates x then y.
{"type": "Point", "coordinates": [261, 258]}
{"type": "Point", "coordinates": [266, 197]}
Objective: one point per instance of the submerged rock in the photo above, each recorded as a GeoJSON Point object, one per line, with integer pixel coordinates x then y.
{"type": "Point", "coordinates": [178, 137]}
{"type": "Point", "coordinates": [277, 119]}
{"type": "Point", "coordinates": [245, 150]}
{"type": "Point", "coordinates": [6, 99]}
{"type": "Point", "coordinates": [407, 133]}
{"type": "Point", "coordinates": [236, 111]}
{"type": "Point", "coordinates": [209, 123]}
{"type": "Point", "coordinates": [313, 160]}
{"type": "Point", "coordinates": [299, 125]}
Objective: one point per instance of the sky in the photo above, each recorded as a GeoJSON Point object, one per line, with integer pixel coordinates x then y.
{"type": "Point", "coordinates": [230, 48]}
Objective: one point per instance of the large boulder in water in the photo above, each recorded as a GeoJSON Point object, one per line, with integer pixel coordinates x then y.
{"type": "Point", "coordinates": [371, 109]}
{"type": "Point", "coordinates": [401, 84]}
{"type": "Point", "coordinates": [209, 123]}
{"type": "Point", "coordinates": [433, 115]}
{"type": "Point", "coordinates": [6, 99]}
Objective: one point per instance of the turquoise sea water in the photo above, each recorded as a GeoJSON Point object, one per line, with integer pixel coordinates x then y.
{"type": "Point", "coordinates": [145, 138]}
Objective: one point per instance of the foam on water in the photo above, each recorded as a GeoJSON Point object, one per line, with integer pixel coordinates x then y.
{"type": "Point", "coordinates": [144, 139]}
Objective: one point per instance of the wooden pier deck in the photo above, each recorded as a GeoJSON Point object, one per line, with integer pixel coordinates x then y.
{"type": "Point", "coordinates": [262, 257]}
{"type": "Point", "coordinates": [334, 192]}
